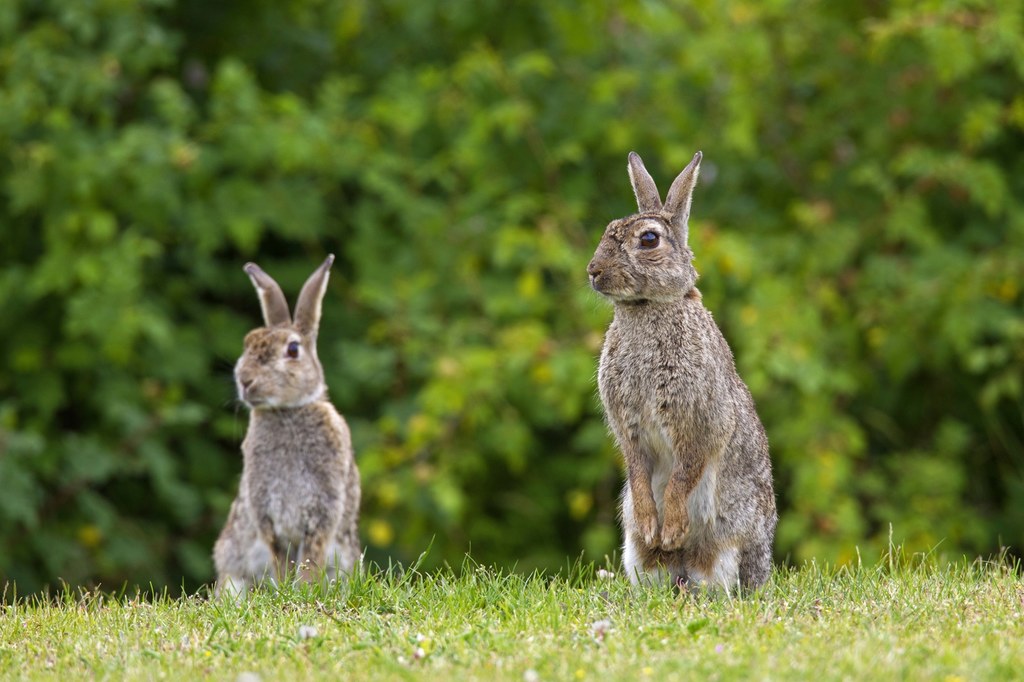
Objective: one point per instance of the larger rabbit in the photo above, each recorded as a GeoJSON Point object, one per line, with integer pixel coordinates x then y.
{"type": "Point", "coordinates": [297, 507]}
{"type": "Point", "coordinates": [698, 505]}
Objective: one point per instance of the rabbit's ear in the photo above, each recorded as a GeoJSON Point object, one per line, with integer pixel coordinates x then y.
{"type": "Point", "coordinates": [678, 200]}
{"type": "Point", "coordinates": [647, 197]}
{"type": "Point", "coordinates": [307, 310]}
{"type": "Point", "coordinates": [272, 301]}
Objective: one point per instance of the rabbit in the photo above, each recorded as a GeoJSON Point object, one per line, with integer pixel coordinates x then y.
{"type": "Point", "coordinates": [298, 499]}
{"type": "Point", "coordinates": [698, 506]}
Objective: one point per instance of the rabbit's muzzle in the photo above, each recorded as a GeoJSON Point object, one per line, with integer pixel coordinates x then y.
{"type": "Point", "coordinates": [249, 391]}
{"type": "Point", "coordinates": [595, 271]}
{"type": "Point", "coordinates": [246, 391]}
{"type": "Point", "coordinates": [608, 281]}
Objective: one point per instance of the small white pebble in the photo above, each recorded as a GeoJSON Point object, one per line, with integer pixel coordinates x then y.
{"type": "Point", "coordinates": [531, 675]}
{"type": "Point", "coordinates": [308, 632]}
{"type": "Point", "coordinates": [602, 574]}
{"type": "Point", "coordinates": [419, 654]}
{"type": "Point", "coordinates": [420, 637]}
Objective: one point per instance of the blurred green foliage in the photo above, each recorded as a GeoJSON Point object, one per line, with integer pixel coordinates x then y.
{"type": "Point", "coordinates": [859, 228]}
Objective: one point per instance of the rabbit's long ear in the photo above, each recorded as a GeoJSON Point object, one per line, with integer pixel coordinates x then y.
{"type": "Point", "coordinates": [307, 310]}
{"type": "Point", "coordinates": [272, 301]}
{"type": "Point", "coordinates": [679, 195]}
{"type": "Point", "coordinates": [647, 197]}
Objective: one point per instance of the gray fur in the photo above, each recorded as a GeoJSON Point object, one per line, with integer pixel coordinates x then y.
{"type": "Point", "coordinates": [698, 505]}
{"type": "Point", "coordinates": [298, 501]}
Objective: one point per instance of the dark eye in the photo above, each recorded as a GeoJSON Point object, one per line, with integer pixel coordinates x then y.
{"type": "Point", "coordinates": [648, 240]}
{"type": "Point", "coordinates": [293, 349]}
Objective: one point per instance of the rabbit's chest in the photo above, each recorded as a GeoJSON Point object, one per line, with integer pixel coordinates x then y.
{"type": "Point", "coordinates": [648, 381]}
{"type": "Point", "coordinates": [657, 394]}
{"type": "Point", "coordinates": [290, 491]}
{"type": "Point", "coordinates": [292, 502]}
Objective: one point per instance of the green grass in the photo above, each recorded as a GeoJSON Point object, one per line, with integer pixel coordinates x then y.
{"type": "Point", "coordinates": [900, 620]}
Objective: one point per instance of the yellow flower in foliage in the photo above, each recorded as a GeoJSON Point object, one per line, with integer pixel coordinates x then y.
{"type": "Point", "coordinates": [184, 155]}
{"type": "Point", "coordinates": [90, 536]}
{"type": "Point", "coordinates": [748, 314]}
{"type": "Point", "coordinates": [1008, 290]}
{"type": "Point", "coordinates": [388, 494]}
{"type": "Point", "coordinates": [580, 503]}
{"type": "Point", "coordinates": [380, 532]}
{"type": "Point", "coordinates": [529, 284]}
{"type": "Point", "coordinates": [542, 374]}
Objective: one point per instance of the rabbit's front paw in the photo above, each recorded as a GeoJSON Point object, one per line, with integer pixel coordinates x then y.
{"type": "Point", "coordinates": [647, 526]}
{"type": "Point", "coordinates": [673, 533]}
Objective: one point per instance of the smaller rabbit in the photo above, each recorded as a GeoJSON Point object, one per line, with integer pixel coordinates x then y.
{"type": "Point", "coordinates": [297, 507]}
{"type": "Point", "coordinates": [698, 505]}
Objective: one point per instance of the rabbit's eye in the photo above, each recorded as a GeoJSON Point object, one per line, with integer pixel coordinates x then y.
{"type": "Point", "coordinates": [648, 240]}
{"type": "Point", "coordinates": [293, 350]}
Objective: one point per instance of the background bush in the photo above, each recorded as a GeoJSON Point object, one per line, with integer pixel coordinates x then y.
{"type": "Point", "coordinates": [859, 228]}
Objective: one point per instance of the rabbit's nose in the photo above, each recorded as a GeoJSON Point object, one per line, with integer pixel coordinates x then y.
{"type": "Point", "coordinates": [593, 269]}
{"type": "Point", "coordinates": [246, 383]}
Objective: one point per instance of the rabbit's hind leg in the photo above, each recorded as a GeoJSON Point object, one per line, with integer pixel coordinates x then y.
{"type": "Point", "coordinates": [638, 564]}
{"type": "Point", "coordinates": [721, 572]}
{"type": "Point", "coordinates": [239, 555]}
{"type": "Point", "coordinates": [241, 568]}
{"type": "Point", "coordinates": [755, 565]}
{"type": "Point", "coordinates": [231, 587]}
{"type": "Point", "coordinates": [652, 567]}
{"type": "Point", "coordinates": [343, 555]}
{"type": "Point", "coordinates": [313, 556]}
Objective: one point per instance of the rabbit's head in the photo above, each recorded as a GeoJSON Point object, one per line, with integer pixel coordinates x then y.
{"type": "Point", "coordinates": [645, 257]}
{"type": "Point", "coordinates": [279, 366]}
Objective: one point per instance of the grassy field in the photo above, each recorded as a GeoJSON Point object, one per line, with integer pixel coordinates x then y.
{"type": "Point", "coordinates": [898, 620]}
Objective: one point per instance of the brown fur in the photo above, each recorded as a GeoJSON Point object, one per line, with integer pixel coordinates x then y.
{"type": "Point", "coordinates": [698, 504]}
{"type": "Point", "coordinates": [298, 500]}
